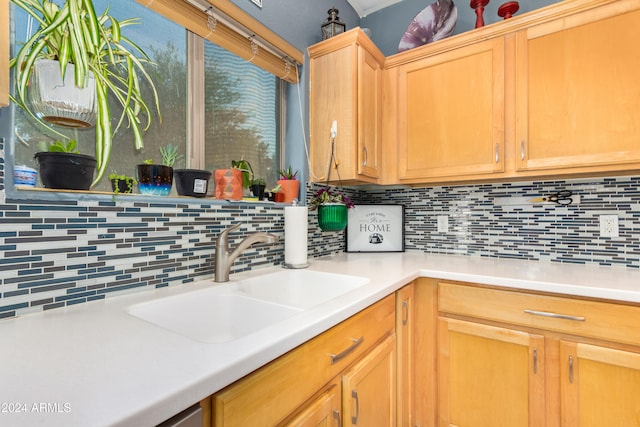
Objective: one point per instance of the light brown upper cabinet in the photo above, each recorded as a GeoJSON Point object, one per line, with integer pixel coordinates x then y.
{"type": "Point", "coordinates": [548, 93]}
{"type": "Point", "coordinates": [451, 114]}
{"type": "Point", "coordinates": [4, 53]}
{"type": "Point", "coordinates": [346, 87]}
{"type": "Point", "coordinates": [578, 92]}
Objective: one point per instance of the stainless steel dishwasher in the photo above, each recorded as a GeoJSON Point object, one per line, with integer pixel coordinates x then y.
{"type": "Point", "coordinates": [191, 417]}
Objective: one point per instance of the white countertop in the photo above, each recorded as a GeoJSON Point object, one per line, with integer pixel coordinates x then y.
{"type": "Point", "coordinates": [95, 365]}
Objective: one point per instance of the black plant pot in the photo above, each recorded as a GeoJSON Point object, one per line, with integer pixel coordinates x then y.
{"type": "Point", "coordinates": [122, 185]}
{"type": "Point", "coordinates": [155, 180]}
{"type": "Point", "coordinates": [192, 182]}
{"type": "Point", "coordinates": [258, 190]}
{"type": "Point", "coordinates": [66, 171]}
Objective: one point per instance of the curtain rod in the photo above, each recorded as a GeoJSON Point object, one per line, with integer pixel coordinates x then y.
{"type": "Point", "coordinates": [212, 12]}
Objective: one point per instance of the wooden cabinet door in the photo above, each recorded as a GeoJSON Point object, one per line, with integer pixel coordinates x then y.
{"type": "Point", "coordinates": [489, 376]}
{"type": "Point", "coordinates": [578, 92]}
{"type": "Point", "coordinates": [369, 114]}
{"type": "Point", "coordinates": [322, 411]}
{"type": "Point", "coordinates": [451, 114]}
{"type": "Point", "coordinates": [599, 386]}
{"type": "Point", "coordinates": [405, 333]}
{"type": "Point", "coordinates": [4, 53]}
{"type": "Point", "coordinates": [369, 388]}
{"type": "Point", "coordinates": [345, 87]}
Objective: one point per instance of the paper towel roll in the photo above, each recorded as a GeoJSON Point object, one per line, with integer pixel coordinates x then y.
{"type": "Point", "coordinates": [295, 236]}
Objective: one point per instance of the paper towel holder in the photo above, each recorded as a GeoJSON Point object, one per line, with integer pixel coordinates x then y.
{"type": "Point", "coordinates": [289, 265]}
{"type": "Point", "coordinates": [295, 266]}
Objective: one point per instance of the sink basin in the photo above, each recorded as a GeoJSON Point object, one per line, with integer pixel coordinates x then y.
{"type": "Point", "coordinates": [212, 317]}
{"type": "Point", "coordinates": [299, 288]}
{"type": "Point", "coordinates": [233, 310]}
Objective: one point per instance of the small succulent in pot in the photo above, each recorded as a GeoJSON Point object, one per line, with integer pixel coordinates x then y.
{"type": "Point", "coordinates": [288, 174]}
{"type": "Point", "coordinates": [170, 155]}
{"type": "Point", "coordinates": [157, 179]}
{"type": "Point", "coordinates": [122, 183]}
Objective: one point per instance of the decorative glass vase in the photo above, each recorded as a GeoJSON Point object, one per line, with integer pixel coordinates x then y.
{"type": "Point", "coordinates": [155, 180]}
{"type": "Point", "coordinates": [332, 216]}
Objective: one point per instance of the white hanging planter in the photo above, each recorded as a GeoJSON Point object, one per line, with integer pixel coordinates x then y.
{"type": "Point", "coordinates": [62, 102]}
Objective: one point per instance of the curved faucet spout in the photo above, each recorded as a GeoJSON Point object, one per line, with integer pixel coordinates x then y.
{"type": "Point", "coordinates": [225, 258]}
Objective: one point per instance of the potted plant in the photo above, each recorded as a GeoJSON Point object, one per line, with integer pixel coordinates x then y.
{"type": "Point", "coordinates": [157, 179]}
{"type": "Point", "coordinates": [332, 209]}
{"type": "Point", "coordinates": [247, 171]}
{"type": "Point", "coordinates": [63, 167]}
{"type": "Point", "coordinates": [271, 194]}
{"type": "Point", "coordinates": [85, 50]}
{"type": "Point", "coordinates": [230, 182]}
{"type": "Point", "coordinates": [257, 187]}
{"type": "Point", "coordinates": [122, 183]}
{"type": "Point", "coordinates": [289, 185]}
{"type": "Point", "coordinates": [192, 182]}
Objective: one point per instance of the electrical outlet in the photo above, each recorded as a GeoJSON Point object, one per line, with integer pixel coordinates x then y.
{"type": "Point", "coordinates": [608, 225]}
{"type": "Point", "coordinates": [443, 223]}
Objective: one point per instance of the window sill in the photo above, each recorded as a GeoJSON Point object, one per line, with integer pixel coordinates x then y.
{"type": "Point", "coordinates": [26, 193]}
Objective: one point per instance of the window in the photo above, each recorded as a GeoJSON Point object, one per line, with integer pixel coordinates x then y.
{"type": "Point", "coordinates": [241, 104]}
{"type": "Point", "coordinates": [241, 114]}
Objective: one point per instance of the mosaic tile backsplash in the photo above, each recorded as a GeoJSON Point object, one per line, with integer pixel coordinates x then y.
{"type": "Point", "coordinates": [482, 224]}
{"type": "Point", "coordinates": [55, 254]}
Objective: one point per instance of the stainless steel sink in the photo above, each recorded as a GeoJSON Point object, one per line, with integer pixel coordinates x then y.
{"type": "Point", "coordinates": [231, 311]}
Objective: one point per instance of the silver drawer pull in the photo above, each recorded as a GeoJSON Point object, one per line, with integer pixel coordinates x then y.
{"type": "Point", "coordinates": [335, 358]}
{"type": "Point", "coordinates": [555, 315]}
{"type": "Point", "coordinates": [354, 395]}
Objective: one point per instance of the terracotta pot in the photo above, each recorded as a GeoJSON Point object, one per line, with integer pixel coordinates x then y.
{"type": "Point", "coordinates": [228, 184]}
{"type": "Point", "coordinates": [288, 191]}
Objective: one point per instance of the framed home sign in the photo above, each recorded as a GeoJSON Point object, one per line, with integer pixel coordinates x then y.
{"type": "Point", "coordinates": [375, 228]}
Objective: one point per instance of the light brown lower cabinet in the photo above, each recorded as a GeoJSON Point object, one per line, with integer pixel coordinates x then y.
{"type": "Point", "coordinates": [489, 376]}
{"type": "Point", "coordinates": [510, 358]}
{"type": "Point", "coordinates": [369, 388]}
{"type": "Point", "coordinates": [355, 360]}
{"type": "Point", "coordinates": [362, 396]}
{"type": "Point", "coordinates": [323, 410]}
{"type": "Point", "coordinates": [600, 386]}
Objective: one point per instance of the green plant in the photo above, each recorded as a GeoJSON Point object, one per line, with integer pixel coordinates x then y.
{"type": "Point", "coordinates": [288, 173]}
{"type": "Point", "coordinates": [276, 189]}
{"type": "Point", "coordinates": [115, 178]}
{"type": "Point", "coordinates": [61, 147]}
{"type": "Point", "coordinates": [147, 162]}
{"type": "Point", "coordinates": [73, 33]}
{"type": "Point", "coordinates": [258, 181]}
{"type": "Point", "coordinates": [326, 195]}
{"type": "Point", "coordinates": [170, 155]}
{"type": "Point", "coordinates": [247, 171]}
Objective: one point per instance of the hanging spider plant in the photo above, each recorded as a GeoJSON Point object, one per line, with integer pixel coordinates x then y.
{"type": "Point", "coordinates": [73, 33]}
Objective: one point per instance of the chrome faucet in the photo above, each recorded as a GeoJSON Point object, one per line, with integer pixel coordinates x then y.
{"type": "Point", "coordinates": [224, 258]}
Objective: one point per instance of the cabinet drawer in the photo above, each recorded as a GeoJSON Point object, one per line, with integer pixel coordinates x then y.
{"type": "Point", "coordinates": [603, 320]}
{"type": "Point", "coordinates": [271, 393]}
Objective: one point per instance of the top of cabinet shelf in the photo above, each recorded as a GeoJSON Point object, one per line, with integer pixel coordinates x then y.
{"type": "Point", "coordinates": [348, 38]}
